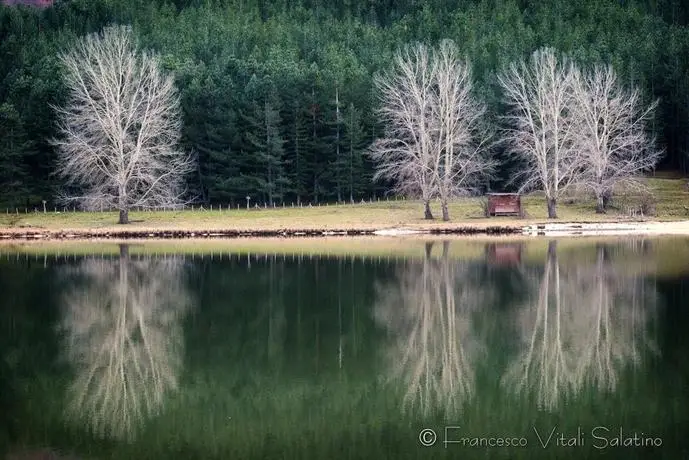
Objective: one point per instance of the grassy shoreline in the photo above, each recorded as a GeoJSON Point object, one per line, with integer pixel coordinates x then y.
{"type": "Point", "coordinates": [671, 205]}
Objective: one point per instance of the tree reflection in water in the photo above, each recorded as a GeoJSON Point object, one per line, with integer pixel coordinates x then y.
{"type": "Point", "coordinates": [586, 323]}
{"type": "Point", "coordinates": [428, 313]}
{"type": "Point", "coordinates": [123, 337]}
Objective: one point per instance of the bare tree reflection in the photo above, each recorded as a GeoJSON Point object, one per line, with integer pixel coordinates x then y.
{"type": "Point", "coordinates": [429, 315]}
{"type": "Point", "coordinates": [122, 325]}
{"type": "Point", "coordinates": [586, 323]}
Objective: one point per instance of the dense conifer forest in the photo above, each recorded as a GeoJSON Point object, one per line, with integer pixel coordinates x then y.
{"type": "Point", "coordinates": [278, 98]}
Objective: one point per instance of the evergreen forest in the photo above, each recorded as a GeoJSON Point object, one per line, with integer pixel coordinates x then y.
{"type": "Point", "coordinates": [277, 96]}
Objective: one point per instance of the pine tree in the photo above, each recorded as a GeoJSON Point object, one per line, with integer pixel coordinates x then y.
{"type": "Point", "coordinates": [14, 147]}
{"type": "Point", "coordinates": [355, 143]}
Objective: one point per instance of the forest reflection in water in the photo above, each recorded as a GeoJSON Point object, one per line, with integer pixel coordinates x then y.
{"type": "Point", "coordinates": [580, 325]}
{"type": "Point", "coordinates": [489, 333]}
{"type": "Point", "coordinates": [123, 338]}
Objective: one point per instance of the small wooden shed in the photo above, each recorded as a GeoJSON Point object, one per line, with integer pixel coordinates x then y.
{"type": "Point", "coordinates": [504, 204]}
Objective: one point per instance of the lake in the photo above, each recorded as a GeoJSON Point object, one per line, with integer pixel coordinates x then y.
{"type": "Point", "coordinates": [346, 348]}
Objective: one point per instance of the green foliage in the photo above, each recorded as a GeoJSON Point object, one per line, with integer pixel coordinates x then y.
{"type": "Point", "coordinates": [277, 95]}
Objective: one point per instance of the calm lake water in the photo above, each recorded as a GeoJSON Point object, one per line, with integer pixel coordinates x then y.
{"type": "Point", "coordinates": [444, 349]}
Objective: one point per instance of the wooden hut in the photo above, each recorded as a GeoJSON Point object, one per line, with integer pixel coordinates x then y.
{"type": "Point", "coordinates": [504, 204]}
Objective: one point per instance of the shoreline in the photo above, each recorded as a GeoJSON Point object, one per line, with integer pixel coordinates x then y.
{"type": "Point", "coordinates": [548, 229]}
{"type": "Point", "coordinates": [165, 234]}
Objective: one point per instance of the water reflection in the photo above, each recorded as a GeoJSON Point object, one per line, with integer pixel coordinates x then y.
{"type": "Point", "coordinates": [576, 323]}
{"type": "Point", "coordinates": [428, 312]}
{"type": "Point", "coordinates": [584, 324]}
{"type": "Point", "coordinates": [123, 337]}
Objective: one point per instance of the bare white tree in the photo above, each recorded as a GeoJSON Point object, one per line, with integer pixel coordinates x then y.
{"type": "Point", "coordinates": [123, 337]}
{"type": "Point", "coordinates": [435, 142]}
{"type": "Point", "coordinates": [408, 153]}
{"type": "Point", "coordinates": [543, 124]}
{"type": "Point", "coordinates": [462, 164]}
{"type": "Point", "coordinates": [612, 136]}
{"type": "Point", "coordinates": [120, 127]}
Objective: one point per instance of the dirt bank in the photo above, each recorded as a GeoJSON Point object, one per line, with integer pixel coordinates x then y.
{"type": "Point", "coordinates": [552, 229]}
{"type": "Point", "coordinates": [125, 233]}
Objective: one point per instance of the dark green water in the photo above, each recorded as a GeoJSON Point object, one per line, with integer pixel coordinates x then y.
{"type": "Point", "coordinates": [274, 356]}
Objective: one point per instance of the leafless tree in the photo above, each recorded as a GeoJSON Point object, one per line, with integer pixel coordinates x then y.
{"type": "Point", "coordinates": [408, 154]}
{"type": "Point", "coordinates": [582, 328]}
{"type": "Point", "coordinates": [435, 141]}
{"type": "Point", "coordinates": [612, 138]}
{"type": "Point", "coordinates": [434, 350]}
{"type": "Point", "coordinates": [543, 124]}
{"type": "Point", "coordinates": [123, 337]}
{"type": "Point", "coordinates": [462, 163]}
{"type": "Point", "coordinates": [120, 127]}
